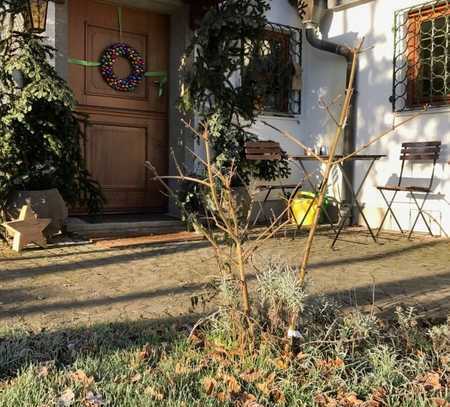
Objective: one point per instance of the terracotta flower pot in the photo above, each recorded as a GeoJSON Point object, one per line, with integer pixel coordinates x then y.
{"type": "Point", "coordinates": [46, 203]}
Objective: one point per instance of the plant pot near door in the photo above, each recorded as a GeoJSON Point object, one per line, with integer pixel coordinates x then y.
{"type": "Point", "coordinates": [42, 138]}
{"type": "Point", "coordinates": [46, 203]}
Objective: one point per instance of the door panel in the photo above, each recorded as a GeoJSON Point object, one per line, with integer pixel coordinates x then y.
{"type": "Point", "coordinates": [116, 148]}
{"type": "Point", "coordinates": [125, 128]}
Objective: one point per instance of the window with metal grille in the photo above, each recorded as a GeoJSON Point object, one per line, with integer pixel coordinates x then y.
{"type": "Point", "coordinates": [275, 67]}
{"type": "Point", "coordinates": [422, 56]}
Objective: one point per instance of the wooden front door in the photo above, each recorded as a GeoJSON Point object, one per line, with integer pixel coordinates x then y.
{"type": "Point", "coordinates": [125, 128]}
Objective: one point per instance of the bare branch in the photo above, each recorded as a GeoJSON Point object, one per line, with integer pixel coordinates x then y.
{"type": "Point", "coordinates": [174, 158]}
{"type": "Point", "coordinates": [182, 178]}
{"type": "Point", "coordinates": [199, 226]}
{"type": "Point", "coordinates": [191, 128]}
{"type": "Point", "coordinates": [328, 110]}
{"type": "Point", "coordinates": [197, 157]}
{"type": "Point", "coordinates": [268, 234]}
{"type": "Point", "coordinates": [379, 137]}
{"type": "Point", "coordinates": [213, 190]}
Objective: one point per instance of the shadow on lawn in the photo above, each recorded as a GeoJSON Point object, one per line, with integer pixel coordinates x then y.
{"type": "Point", "coordinates": [19, 349]}
{"type": "Point", "coordinates": [63, 347]}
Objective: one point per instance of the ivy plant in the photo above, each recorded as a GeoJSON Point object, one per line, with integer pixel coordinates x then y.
{"type": "Point", "coordinates": [213, 84]}
{"type": "Point", "coordinates": [40, 133]}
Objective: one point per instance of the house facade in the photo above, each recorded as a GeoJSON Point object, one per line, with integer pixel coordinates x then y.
{"type": "Point", "coordinates": [127, 128]}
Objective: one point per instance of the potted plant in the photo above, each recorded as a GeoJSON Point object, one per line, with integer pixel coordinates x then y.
{"type": "Point", "coordinates": [40, 144]}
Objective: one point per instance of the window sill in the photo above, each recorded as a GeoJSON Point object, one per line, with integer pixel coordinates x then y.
{"type": "Point", "coordinates": [430, 110]}
{"type": "Point", "coordinates": [279, 116]}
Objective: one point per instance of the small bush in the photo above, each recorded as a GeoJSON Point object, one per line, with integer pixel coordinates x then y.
{"type": "Point", "coordinates": [279, 293]}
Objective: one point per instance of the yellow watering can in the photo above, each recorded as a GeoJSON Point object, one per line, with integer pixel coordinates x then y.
{"type": "Point", "coordinates": [300, 205]}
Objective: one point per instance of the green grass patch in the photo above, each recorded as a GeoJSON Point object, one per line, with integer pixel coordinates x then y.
{"type": "Point", "coordinates": [345, 360]}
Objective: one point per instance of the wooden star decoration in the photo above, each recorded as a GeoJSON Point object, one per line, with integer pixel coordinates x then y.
{"type": "Point", "coordinates": [27, 229]}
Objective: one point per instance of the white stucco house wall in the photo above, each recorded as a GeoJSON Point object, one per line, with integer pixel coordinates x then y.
{"type": "Point", "coordinates": [323, 77]}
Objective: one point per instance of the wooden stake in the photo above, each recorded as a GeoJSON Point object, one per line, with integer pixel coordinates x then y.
{"type": "Point", "coordinates": [329, 166]}
{"type": "Point", "coordinates": [293, 334]}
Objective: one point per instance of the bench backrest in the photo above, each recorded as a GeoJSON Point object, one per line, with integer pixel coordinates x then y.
{"type": "Point", "coordinates": [421, 151]}
{"type": "Point", "coordinates": [263, 151]}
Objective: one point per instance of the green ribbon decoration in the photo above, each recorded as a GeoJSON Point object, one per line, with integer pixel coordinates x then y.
{"type": "Point", "coordinates": [84, 63]}
{"type": "Point", "coordinates": [151, 74]}
{"type": "Point", "coordinates": [162, 82]}
{"type": "Point", "coordinates": [119, 15]}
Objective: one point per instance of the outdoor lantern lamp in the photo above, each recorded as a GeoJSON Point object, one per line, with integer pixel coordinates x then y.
{"type": "Point", "coordinates": [36, 15]}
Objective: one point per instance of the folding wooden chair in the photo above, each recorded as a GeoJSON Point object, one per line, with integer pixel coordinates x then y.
{"type": "Point", "coordinates": [414, 152]}
{"type": "Point", "coordinates": [268, 151]}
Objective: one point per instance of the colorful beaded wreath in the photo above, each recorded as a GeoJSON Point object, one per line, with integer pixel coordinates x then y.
{"type": "Point", "coordinates": [109, 58]}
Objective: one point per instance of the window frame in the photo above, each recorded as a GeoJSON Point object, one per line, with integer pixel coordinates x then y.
{"type": "Point", "coordinates": [408, 52]}
{"type": "Point", "coordinates": [284, 39]}
{"type": "Point", "coordinates": [291, 38]}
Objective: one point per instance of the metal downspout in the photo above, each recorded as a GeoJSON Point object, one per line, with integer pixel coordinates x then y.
{"type": "Point", "coordinates": [349, 144]}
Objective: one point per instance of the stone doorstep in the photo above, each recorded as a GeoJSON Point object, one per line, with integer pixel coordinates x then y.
{"type": "Point", "coordinates": [123, 229]}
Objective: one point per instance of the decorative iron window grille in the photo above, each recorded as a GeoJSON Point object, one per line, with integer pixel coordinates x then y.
{"type": "Point", "coordinates": [275, 65]}
{"type": "Point", "coordinates": [422, 56]}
